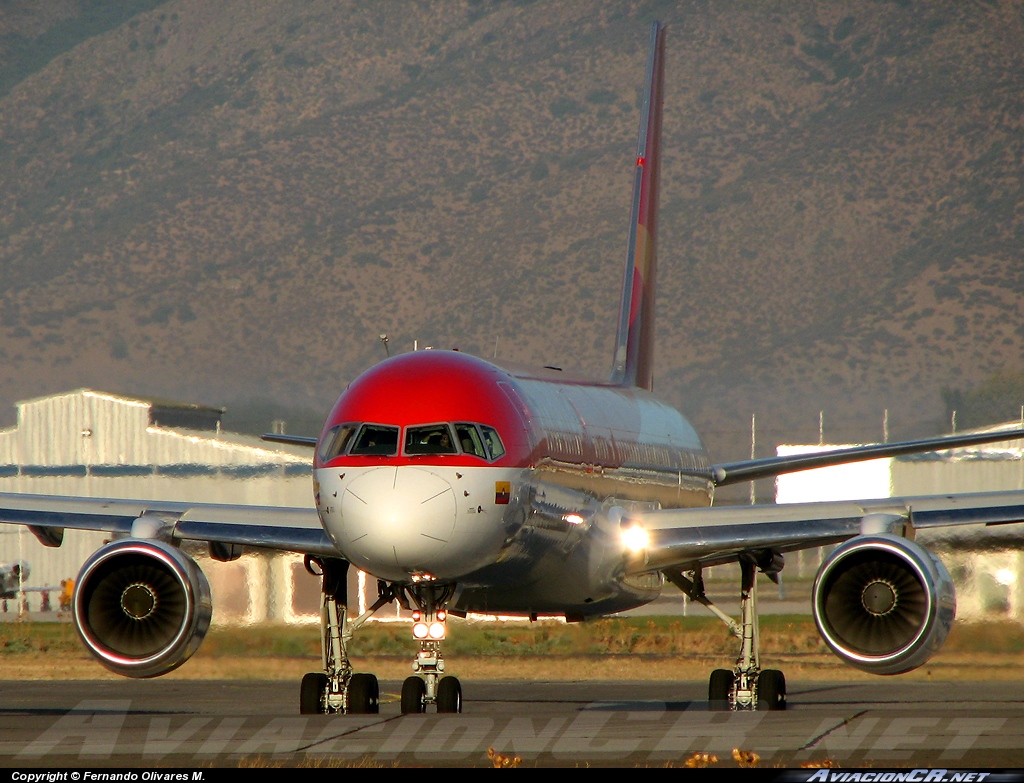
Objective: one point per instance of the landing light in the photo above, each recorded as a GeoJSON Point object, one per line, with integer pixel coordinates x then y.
{"type": "Point", "coordinates": [434, 630]}
{"type": "Point", "coordinates": [635, 538]}
{"type": "Point", "coordinates": [573, 519]}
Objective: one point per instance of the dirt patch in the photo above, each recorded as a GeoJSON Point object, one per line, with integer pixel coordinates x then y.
{"type": "Point", "coordinates": [952, 666]}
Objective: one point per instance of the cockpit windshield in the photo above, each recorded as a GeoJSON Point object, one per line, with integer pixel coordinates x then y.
{"type": "Point", "coordinates": [494, 445]}
{"type": "Point", "coordinates": [431, 439]}
{"type": "Point", "coordinates": [336, 440]}
{"type": "Point", "coordinates": [476, 440]}
{"type": "Point", "coordinates": [376, 439]}
{"type": "Point", "coordinates": [479, 440]}
{"type": "Point", "coordinates": [470, 440]}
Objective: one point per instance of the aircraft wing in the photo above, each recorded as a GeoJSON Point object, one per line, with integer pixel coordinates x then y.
{"type": "Point", "coordinates": [291, 440]}
{"type": "Point", "coordinates": [700, 537]}
{"type": "Point", "coordinates": [284, 528]}
{"type": "Point", "coordinates": [749, 470]}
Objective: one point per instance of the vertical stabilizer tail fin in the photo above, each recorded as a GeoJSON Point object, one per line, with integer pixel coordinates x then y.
{"type": "Point", "coordinates": [634, 342]}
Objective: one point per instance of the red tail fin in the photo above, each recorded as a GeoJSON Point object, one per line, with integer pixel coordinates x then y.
{"type": "Point", "coordinates": [634, 344]}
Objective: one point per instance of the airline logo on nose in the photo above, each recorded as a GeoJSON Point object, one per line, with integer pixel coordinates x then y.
{"type": "Point", "coordinates": [502, 491]}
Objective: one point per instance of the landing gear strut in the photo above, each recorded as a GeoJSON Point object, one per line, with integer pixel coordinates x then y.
{"type": "Point", "coordinates": [747, 686]}
{"type": "Point", "coordinates": [337, 689]}
{"type": "Point", "coordinates": [427, 686]}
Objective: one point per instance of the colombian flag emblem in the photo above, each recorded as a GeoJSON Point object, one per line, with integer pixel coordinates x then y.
{"type": "Point", "coordinates": [502, 491]}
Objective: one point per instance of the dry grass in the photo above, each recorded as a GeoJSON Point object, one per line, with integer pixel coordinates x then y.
{"type": "Point", "coordinates": [645, 649]}
{"type": "Point", "coordinates": [945, 666]}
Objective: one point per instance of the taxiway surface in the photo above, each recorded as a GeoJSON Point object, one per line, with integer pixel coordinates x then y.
{"type": "Point", "coordinates": [883, 723]}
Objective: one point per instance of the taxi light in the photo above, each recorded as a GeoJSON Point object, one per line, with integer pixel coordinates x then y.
{"type": "Point", "coordinates": [437, 630]}
{"type": "Point", "coordinates": [573, 519]}
{"type": "Point", "coordinates": [420, 630]}
{"type": "Point", "coordinates": [416, 616]}
{"type": "Point", "coordinates": [441, 615]}
{"type": "Point", "coordinates": [635, 538]}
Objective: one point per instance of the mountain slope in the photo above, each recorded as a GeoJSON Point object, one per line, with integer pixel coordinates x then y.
{"type": "Point", "coordinates": [230, 200]}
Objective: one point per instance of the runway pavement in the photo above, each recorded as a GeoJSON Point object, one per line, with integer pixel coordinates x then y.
{"type": "Point", "coordinates": [883, 723]}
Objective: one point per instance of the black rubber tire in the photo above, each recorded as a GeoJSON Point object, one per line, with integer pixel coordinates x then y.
{"type": "Point", "coordinates": [363, 695]}
{"type": "Point", "coordinates": [771, 690]}
{"type": "Point", "coordinates": [311, 693]}
{"type": "Point", "coordinates": [719, 687]}
{"type": "Point", "coordinates": [413, 692]}
{"type": "Point", "coordinates": [449, 695]}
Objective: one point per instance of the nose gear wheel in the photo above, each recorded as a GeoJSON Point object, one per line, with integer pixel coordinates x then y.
{"type": "Point", "coordinates": [337, 689]}
{"type": "Point", "coordinates": [414, 692]}
{"type": "Point", "coordinates": [428, 686]}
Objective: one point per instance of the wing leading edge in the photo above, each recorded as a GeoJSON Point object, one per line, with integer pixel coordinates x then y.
{"type": "Point", "coordinates": [750, 470]}
{"type": "Point", "coordinates": [269, 527]}
{"type": "Point", "coordinates": [700, 537]}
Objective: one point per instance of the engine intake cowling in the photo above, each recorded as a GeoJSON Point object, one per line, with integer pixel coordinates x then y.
{"type": "Point", "coordinates": [141, 607]}
{"type": "Point", "coordinates": [883, 604]}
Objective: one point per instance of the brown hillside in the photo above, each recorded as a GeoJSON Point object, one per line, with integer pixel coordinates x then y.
{"type": "Point", "coordinates": [227, 200]}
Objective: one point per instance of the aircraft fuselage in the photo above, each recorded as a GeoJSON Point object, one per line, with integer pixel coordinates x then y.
{"type": "Point", "coordinates": [439, 466]}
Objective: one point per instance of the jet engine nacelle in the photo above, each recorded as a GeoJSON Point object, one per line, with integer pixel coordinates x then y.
{"type": "Point", "coordinates": [883, 603]}
{"type": "Point", "coordinates": [142, 607]}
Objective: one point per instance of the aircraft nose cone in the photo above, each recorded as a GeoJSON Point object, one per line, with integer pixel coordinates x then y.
{"type": "Point", "coordinates": [402, 515]}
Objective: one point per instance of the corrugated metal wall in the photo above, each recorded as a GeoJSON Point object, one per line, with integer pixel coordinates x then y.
{"type": "Point", "coordinates": [940, 477]}
{"type": "Point", "coordinates": [90, 444]}
{"type": "Point", "coordinates": [91, 428]}
{"type": "Point", "coordinates": [985, 562]}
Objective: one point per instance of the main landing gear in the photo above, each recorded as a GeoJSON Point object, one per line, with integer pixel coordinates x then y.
{"type": "Point", "coordinates": [747, 686]}
{"type": "Point", "coordinates": [337, 689]}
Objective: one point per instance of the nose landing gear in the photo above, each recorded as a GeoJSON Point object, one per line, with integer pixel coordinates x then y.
{"type": "Point", "coordinates": [427, 686]}
{"type": "Point", "coordinates": [337, 689]}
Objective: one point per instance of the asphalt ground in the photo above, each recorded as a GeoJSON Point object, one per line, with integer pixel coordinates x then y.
{"type": "Point", "coordinates": [200, 724]}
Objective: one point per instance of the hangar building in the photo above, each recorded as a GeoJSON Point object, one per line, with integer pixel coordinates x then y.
{"type": "Point", "coordinates": [95, 444]}
{"type": "Point", "coordinates": [987, 564]}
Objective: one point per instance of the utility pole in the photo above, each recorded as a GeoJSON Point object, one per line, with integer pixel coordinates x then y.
{"type": "Point", "coordinates": [753, 447]}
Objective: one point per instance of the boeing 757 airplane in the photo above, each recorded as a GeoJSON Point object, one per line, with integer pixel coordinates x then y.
{"type": "Point", "coordinates": [465, 487]}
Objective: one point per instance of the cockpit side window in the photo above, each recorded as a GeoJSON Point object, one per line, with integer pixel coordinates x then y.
{"type": "Point", "coordinates": [470, 440]}
{"type": "Point", "coordinates": [376, 439]}
{"type": "Point", "coordinates": [336, 440]}
{"type": "Point", "coordinates": [492, 441]}
{"type": "Point", "coordinates": [429, 439]}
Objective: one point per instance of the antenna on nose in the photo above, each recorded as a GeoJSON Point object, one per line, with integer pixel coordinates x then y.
{"type": "Point", "coordinates": [384, 339]}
